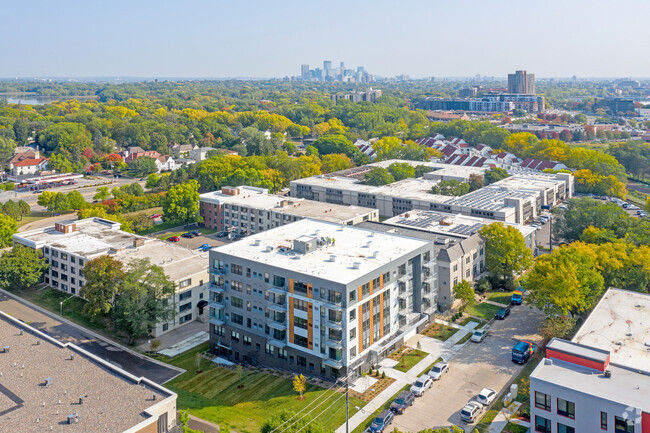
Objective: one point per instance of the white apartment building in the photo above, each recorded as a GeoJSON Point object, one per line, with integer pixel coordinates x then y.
{"type": "Point", "coordinates": [249, 209]}
{"type": "Point", "coordinates": [69, 245]}
{"type": "Point", "coordinates": [319, 298]}
{"type": "Point", "coordinates": [599, 381]}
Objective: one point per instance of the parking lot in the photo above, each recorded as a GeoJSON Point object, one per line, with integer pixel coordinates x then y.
{"type": "Point", "coordinates": [476, 366]}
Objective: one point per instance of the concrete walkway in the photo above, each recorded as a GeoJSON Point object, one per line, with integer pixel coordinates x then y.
{"type": "Point", "coordinates": [177, 339]}
{"type": "Point", "coordinates": [202, 425]}
{"type": "Point", "coordinates": [434, 348]}
{"type": "Point", "coordinates": [498, 304]}
{"type": "Point", "coordinates": [500, 421]}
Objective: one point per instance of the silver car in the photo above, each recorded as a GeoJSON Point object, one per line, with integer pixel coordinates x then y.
{"type": "Point", "coordinates": [423, 383]}
{"type": "Point", "coordinates": [438, 370]}
{"type": "Point", "coordinates": [471, 412]}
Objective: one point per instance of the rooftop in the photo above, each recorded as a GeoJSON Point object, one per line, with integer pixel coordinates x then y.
{"type": "Point", "coordinates": [624, 386]}
{"type": "Point", "coordinates": [113, 400]}
{"type": "Point", "coordinates": [620, 323]}
{"type": "Point", "coordinates": [351, 252]}
{"type": "Point", "coordinates": [95, 236]}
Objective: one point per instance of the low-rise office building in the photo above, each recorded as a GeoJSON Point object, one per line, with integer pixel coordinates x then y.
{"type": "Point", "coordinates": [599, 381]}
{"type": "Point", "coordinates": [69, 245]}
{"type": "Point", "coordinates": [319, 298]}
{"type": "Point", "coordinates": [50, 386]}
{"type": "Point", "coordinates": [250, 209]}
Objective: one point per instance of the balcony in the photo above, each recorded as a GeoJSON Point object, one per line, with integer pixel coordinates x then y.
{"type": "Point", "coordinates": [333, 363]}
{"type": "Point", "coordinates": [277, 325]}
{"type": "Point", "coordinates": [218, 271]}
{"type": "Point", "coordinates": [217, 288]}
{"type": "Point", "coordinates": [335, 344]}
{"type": "Point", "coordinates": [219, 305]}
{"type": "Point", "coordinates": [277, 308]}
{"type": "Point", "coordinates": [426, 288]}
{"type": "Point", "coordinates": [216, 319]}
{"type": "Point", "coordinates": [334, 324]}
{"type": "Point", "coordinates": [278, 290]}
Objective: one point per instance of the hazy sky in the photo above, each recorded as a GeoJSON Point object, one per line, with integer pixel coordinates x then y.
{"type": "Point", "coordinates": [271, 38]}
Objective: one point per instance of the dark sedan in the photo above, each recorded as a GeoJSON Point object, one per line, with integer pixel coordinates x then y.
{"type": "Point", "coordinates": [402, 401]}
{"type": "Point", "coordinates": [502, 313]}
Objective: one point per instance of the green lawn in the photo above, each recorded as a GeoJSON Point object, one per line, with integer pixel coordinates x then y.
{"type": "Point", "coordinates": [213, 395]}
{"type": "Point", "coordinates": [35, 216]}
{"type": "Point", "coordinates": [159, 228]}
{"type": "Point", "coordinates": [481, 323]}
{"type": "Point", "coordinates": [439, 331]}
{"type": "Point", "coordinates": [485, 311]}
{"type": "Point", "coordinates": [500, 297]}
{"type": "Point", "coordinates": [364, 425]}
{"type": "Point", "coordinates": [203, 231]}
{"type": "Point", "coordinates": [514, 428]}
{"type": "Point", "coordinates": [465, 338]}
{"type": "Point", "coordinates": [408, 359]}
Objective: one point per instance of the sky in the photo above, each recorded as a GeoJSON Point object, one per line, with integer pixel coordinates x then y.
{"type": "Point", "coordinates": [272, 38]}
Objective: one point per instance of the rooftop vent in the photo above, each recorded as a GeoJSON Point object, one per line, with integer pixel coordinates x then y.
{"type": "Point", "coordinates": [48, 381]}
{"type": "Point", "coordinates": [332, 258]}
{"type": "Point", "coordinates": [356, 265]}
{"type": "Point", "coordinates": [608, 373]}
{"type": "Point", "coordinates": [6, 349]}
{"type": "Point", "coordinates": [548, 361]}
{"type": "Point", "coordinates": [138, 242]}
{"type": "Point", "coordinates": [257, 242]}
{"type": "Point", "coordinates": [269, 248]}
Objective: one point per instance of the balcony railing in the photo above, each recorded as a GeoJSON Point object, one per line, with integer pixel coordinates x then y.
{"type": "Point", "coordinates": [218, 271]}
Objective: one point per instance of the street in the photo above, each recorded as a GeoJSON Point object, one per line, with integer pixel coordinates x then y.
{"type": "Point", "coordinates": [135, 364]}
{"type": "Point", "coordinates": [476, 366]}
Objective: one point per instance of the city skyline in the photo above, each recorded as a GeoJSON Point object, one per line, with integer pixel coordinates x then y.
{"type": "Point", "coordinates": [422, 39]}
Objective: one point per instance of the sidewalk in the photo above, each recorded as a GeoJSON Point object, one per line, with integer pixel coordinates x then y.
{"type": "Point", "coordinates": [177, 337]}
{"type": "Point", "coordinates": [500, 421]}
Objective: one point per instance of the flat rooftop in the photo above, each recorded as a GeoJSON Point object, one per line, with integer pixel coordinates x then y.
{"type": "Point", "coordinates": [620, 323]}
{"type": "Point", "coordinates": [113, 400]}
{"type": "Point", "coordinates": [624, 386]}
{"type": "Point", "coordinates": [259, 198]}
{"type": "Point", "coordinates": [353, 252]}
{"type": "Point", "coordinates": [455, 225]}
{"type": "Point", "coordinates": [95, 236]}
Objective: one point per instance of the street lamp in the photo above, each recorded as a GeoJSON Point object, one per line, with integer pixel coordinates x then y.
{"type": "Point", "coordinates": [61, 309]}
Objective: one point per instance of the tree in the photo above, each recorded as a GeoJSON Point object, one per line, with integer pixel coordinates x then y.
{"type": "Point", "coordinates": [143, 300]}
{"type": "Point", "coordinates": [143, 166]}
{"type": "Point", "coordinates": [287, 422]}
{"type": "Point", "coordinates": [8, 226]}
{"type": "Point", "coordinates": [584, 212]}
{"type": "Point", "coordinates": [104, 276]}
{"type": "Point", "coordinates": [420, 170]}
{"type": "Point", "coordinates": [152, 181]}
{"type": "Point", "coordinates": [154, 345]}
{"type": "Point", "coordinates": [181, 203]}
{"type": "Point", "coordinates": [505, 250]}
{"type": "Point", "coordinates": [450, 187]}
{"type": "Point", "coordinates": [378, 176]}
{"type": "Point", "coordinates": [464, 292]}
{"type": "Point", "coordinates": [76, 201]}
{"type": "Point", "coordinates": [401, 170]}
{"type": "Point", "coordinates": [25, 209]}
{"type": "Point", "coordinates": [45, 198]}
{"type": "Point", "coordinates": [564, 282]}
{"type": "Point", "coordinates": [21, 267]}
{"type": "Point", "coordinates": [494, 174]}
{"type": "Point", "coordinates": [336, 162]}
{"type": "Point", "coordinates": [475, 182]}
{"type": "Point", "coordinates": [336, 144]}
{"type": "Point", "coordinates": [557, 326]}
{"type": "Point", "coordinates": [59, 203]}
{"type": "Point", "coordinates": [300, 385]}
{"type": "Point", "coordinates": [7, 147]}
{"type": "Point", "coordinates": [12, 210]}
{"type": "Point", "coordinates": [102, 193]}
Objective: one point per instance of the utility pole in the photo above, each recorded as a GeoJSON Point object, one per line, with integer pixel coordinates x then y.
{"type": "Point", "coordinates": [550, 233]}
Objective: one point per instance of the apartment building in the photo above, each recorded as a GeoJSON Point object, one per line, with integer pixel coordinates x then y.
{"type": "Point", "coordinates": [69, 245]}
{"type": "Point", "coordinates": [599, 381]}
{"type": "Point", "coordinates": [517, 199]}
{"type": "Point", "coordinates": [51, 386]}
{"type": "Point", "coordinates": [249, 209]}
{"type": "Point", "coordinates": [521, 82]}
{"type": "Point", "coordinates": [319, 298]}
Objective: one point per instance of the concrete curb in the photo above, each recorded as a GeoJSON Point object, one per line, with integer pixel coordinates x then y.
{"type": "Point", "coordinates": [94, 334]}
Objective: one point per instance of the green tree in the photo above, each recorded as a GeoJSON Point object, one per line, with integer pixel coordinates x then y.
{"type": "Point", "coordinates": [45, 198]}
{"type": "Point", "coordinates": [101, 194]}
{"type": "Point", "coordinates": [59, 203]}
{"type": "Point", "coordinates": [378, 176]}
{"type": "Point", "coordinates": [7, 147]}
{"type": "Point", "coordinates": [336, 162]}
{"type": "Point", "coordinates": [401, 170]}
{"type": "Point", "coordinates": [152, 181]}
{"type": "Point", "coordinates": [506, 252]}
{"type": "Point", "coordinates": [420, 170]}
{"type": "Point", "coordinates": [494, 174]}
{"type": "Point", "coordinates": [143, 300]}
{"type": "Point", "coordinates": [287, 422]}
{"type": "Point", "coordinates": [12, 210]}
{"type": "Point", "coordinates": [25, 209]}
{"type": "Point", "coordinates": [336, 144]}
{"type": "Point", "coordinates": [21, 267]}
{"type": "Point", "coordinates": [181, 203]}
{"type": "Point", "coordinates": [104, 276]}
{"type": "Point", "coordinates": [584, 212]}
{"type": "Point", "coordinates": [450, 187]}
{"type": "Point", "coordinates": [8, 226]}
{"type": "Point", "coordinates": [143, 166]}
{"type": "Point", "coordinates": [564, 282]}
{"type": "Point", "coordinates": [557, 326]}
{"type": "Point", "coordinates": [464, 292]}
{"type": "Point", "coordinates": [76, 201]}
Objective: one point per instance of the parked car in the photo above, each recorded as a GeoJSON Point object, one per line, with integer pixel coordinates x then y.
{"type": "Point", "coordinates": [222, 234]}
{"type": "Point", "coordinates": [517, 297]}
{"type": "Point", "coordinates": [195, 233]}
{"type": "Point", "coordinates": [479, 335]}
{"type": "Point", "coordinates": [173, 239]}
{"type": "Point", "coordinates": [404, 400]}
{"type": "Point", "coordinates": [383, 420]}
{"type": "Point", "coordinates": [154, 216]}
{"type": "Point", "coordinates": [189, 235]}
{"type": "Point", "coordinates": [438, 370]}
{"type": "Point", "coordinates": [522, 352]}
{"type": "Point", "coordinates": [486, 396]}
{"type": "Point", "coordinates": [423, 383]}
{"type": "Point", "coordinates": [471, 411]}
{"type": "Point", "coordinates": [204, 247]}
{"type": "Point", "coordinates": [502, 313]}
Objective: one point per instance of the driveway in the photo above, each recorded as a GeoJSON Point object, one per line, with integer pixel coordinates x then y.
{"type": "Point", "coordinates": [476, 366]}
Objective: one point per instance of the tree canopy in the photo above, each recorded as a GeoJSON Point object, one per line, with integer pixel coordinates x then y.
{"type": "Point", "coordinates": [506, 252]}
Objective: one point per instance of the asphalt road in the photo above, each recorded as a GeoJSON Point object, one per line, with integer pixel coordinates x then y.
{"type": "Point", "coordinates": [135, 364]}
{"type": "Point", "coordinates": [476, 366]}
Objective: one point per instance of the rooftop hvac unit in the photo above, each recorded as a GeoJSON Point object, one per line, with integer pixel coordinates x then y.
{"type": "Point", "coordinates": [608, 373]}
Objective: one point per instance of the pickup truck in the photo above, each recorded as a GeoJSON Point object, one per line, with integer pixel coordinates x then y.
{"type": "Point", "coordinates": [522, 351]}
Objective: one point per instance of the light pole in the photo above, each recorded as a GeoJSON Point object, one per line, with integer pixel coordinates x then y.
{"type": "Point", "coordinates": [61, 309]}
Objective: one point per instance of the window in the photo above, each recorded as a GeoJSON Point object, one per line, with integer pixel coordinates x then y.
{"type": "Point", "coordinates": [237, 318]}
{"type": "Point", "coordinates": [247, 340]}
{"type": "Point", "coordinates": [185, 319]}
{"type": "Point", "coordinates": [561, 428]}
{"type": "Point", "coordinates": [73, 270]}
{"type": "Point", "coordinates": [603, 420]}
{"type": "Point", "coordinates": [300, 287]}
{"type": "Point", "coordinates": [566, 408]}
{"type": "Point", "coordinates": [269, 349]}
{"type": "Point", "coordinates": [185, 295]}
{"type": "Point", "coordinates": [353, 295]}
{"type": "Point", "coordinates": [622, 425]}
{"type": "Point", "coordinates": [542, 401]}
{"type": "Point", "coordinates": [353, 333]}
{"type": "Point", "coordinates": [55, 264]}
{"type": "Point", "coordinates": [236, 302]}
{"type": "Point", "coordinates": [165, 327]}
{"type": "Point", "coordinates": [353, 352]}
{"type": "Point", "coordinates": [282, 354]}
{"type": "Point", "coordinates": [81, 263]}
{"type": "Point", "coordinates": [353, 315]}
{"type": "Point", "coordinates": [236, 269]}
{"type": "Point", "coordinates": [299, 304]}
{"type": "Point", "coordinates": [220, 330]}
{"type": "Point", "coordinates": [301, 361]}
{"type": "Point", "coordinates": [185, 307]}
{"type": "Point", "coordinates": [542, 425]}
{"type": "Point", "coordinates": [248, 272]}
{"type": "Point", "coordinates": [185, 283]}
{"type": "Point", "coordinates": [278, 281]}
{"type": "Point", "coordinates": [300, 322]}
{"type": "Point", "coordinates": [72, 259]}
{"type": "Point", "coordinates": [299, 340]}
{"type": "Point", "coordinates": [234, 335]}
{"type": "Point", "coordinates": [266, 277]}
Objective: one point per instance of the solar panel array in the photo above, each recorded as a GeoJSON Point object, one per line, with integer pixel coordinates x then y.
{"type": "Point", "coordinates": [424, 223]}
